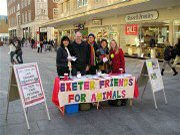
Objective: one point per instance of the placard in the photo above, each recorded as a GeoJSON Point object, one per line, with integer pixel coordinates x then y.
{"type": "Point", "coordinates": [29, 84]}
{"type": "Point", "coordinates": [154, 75]}
{"type": "Point", "coordinates": [131, 29]}
{"type": "Point", "coordinates": [95, 90]}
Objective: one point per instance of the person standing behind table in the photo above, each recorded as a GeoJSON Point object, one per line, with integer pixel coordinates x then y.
{"type": "Point", "coordinates": [93, 47]}
{"type": "Point", "coordinates": [81, 52]}
{"type": "Point", "coordinates": [116, 57]}
{"type": "Point", "coordinates": [19, 53]}
{"type": "Point", "coordinates": [12, 49]}
{"type": "Point", "coordinates": [168, 54]}
{"type": "Point", "coordinates": [117, 62]}
{"type": "Point", "coordinates": [62, 62]}
{"type": "Point", "coordinates": [103, 57]}
{"type": "Point", "coordinates": [177, 50]}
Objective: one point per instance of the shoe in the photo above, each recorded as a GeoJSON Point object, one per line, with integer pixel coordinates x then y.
{"type": "Point", "coordinates": [175, 74]}
{"type": "Point", "coordinates": [162, 72]}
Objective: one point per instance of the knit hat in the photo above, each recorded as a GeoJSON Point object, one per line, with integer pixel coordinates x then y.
{"type": "Point", "coordinates": [91, 35]}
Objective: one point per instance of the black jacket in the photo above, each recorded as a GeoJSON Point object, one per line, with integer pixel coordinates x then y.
{"type": "Point", "coordinates": [168, 53]}
{"type": "Point", "coordinates": [61, 57]}
{"type": "Point", "coordinates": [81, 52]}
{"type": "Point", "coordinates": [177, 49]}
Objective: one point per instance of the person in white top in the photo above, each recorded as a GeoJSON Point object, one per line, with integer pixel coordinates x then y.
{"type": "Point", "coordinates": [12, 49]}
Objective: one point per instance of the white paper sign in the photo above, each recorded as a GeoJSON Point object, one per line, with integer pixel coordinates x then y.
{"type": "Point", "coordinates": [29, 84]}
{"type": "Point", "coordinates": [154, 75]}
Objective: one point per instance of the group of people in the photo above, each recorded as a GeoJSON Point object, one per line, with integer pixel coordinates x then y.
{"type": "Point", "coordinates": [171, 53]}
{"type": "Point", "coordinates": [47, 45]}
{"type": "Point", "coordinates": [15, 50]}
{"type": "Point", "coordinates": [89, 58]}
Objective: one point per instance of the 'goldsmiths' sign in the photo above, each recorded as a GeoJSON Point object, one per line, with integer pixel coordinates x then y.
{"type": "Point", "coordinates": [150, 15]}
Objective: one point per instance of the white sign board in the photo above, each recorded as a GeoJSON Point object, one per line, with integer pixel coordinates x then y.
{"type": "Point", "coordinates": [29, 84]}
{"type": "Point", "coordinates": [154, 75]}
{"type": "Point", "coordinates": [149, 15]}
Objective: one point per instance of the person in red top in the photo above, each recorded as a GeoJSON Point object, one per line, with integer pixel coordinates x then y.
{"type": "Point", "coordinates": [117, 66]}
{"type": "Point", "coordinates": [117, 58]}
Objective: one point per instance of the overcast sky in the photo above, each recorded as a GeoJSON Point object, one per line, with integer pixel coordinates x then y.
{"type": "Point", "coordinates": [3, 7]}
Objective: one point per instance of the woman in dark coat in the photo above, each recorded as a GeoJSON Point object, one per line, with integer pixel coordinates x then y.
{"type": "Point", "coordinates": [103, 57]}
{"type": "Point", "coordinates": [63, 62]}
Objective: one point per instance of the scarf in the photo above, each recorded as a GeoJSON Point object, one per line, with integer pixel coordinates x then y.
{"type": "Point", "coordinates": [92, 55]}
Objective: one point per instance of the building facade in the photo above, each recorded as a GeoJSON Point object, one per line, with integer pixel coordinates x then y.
{"type": "Point", "coordinates": [3, 28]}
{"type": "Point", "coordinates": [132, 23]}
{"type": "Point", "coordinates": [26, 17]}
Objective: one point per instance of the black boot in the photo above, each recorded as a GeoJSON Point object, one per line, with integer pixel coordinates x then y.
{"type": "Point", "coordinates": [162, 72]}
{"type": "Point", "coordinates": [175, 72]}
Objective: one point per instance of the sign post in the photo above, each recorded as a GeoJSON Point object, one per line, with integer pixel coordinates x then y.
{"type": "Point", "coordinates": [28, 84]}
{"type": "Point", "coordinates": [151, 71]}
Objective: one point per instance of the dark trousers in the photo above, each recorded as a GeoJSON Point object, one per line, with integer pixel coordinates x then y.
{"type": "Point", "coordinates": [11, 56]}
{"type": "Point", "coordinates": [92, 70]}
{"type": "Point", "coordinates": [38, 49]}
{"type": "Point", "coordinates": [62, 70]}
{"type": "Point", "coordinates": [76, 69]}
{"type": "Point", "coordinates": [19, 57]}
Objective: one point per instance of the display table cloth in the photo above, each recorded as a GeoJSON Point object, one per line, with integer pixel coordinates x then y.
{"type": "Point", "coordinates": [58, 88]}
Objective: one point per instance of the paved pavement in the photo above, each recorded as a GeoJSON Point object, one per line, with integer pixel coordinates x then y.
{"type": "Point", "coordinates": [141, 119]}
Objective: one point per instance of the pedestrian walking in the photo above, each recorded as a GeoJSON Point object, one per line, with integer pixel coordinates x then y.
{"type": "Point", "coordinates": [38, 47]}
{"type": "Point", "coordinates": [19, 53]}
{"type": "Point", "coordinates": [168, 55]}
{"type": "Point", "coordinates": [12, 49]}
{"type": "Point", "coordinates": [177, 51]}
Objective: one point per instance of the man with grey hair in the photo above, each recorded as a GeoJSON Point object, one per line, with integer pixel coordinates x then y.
{"type": "Point", "coordinates": [81, 52]}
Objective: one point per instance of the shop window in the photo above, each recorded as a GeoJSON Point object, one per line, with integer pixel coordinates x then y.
{"type": "Point", "coordinates": [81, 3]}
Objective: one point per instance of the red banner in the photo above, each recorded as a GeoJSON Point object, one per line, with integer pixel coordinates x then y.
{"type": "Point", "coordinates": [131, 29]}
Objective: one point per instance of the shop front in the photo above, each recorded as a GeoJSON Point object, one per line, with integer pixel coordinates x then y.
{"type": "Point", "coordinates": [146, 33]}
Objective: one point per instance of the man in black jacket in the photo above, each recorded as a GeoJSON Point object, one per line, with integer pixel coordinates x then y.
{"type": "Point", "coordinates": [81, 52]}
{"type": "Point", "coordinates": [167, 58]}
{"type": "Point", "coordinates": [177, 50]}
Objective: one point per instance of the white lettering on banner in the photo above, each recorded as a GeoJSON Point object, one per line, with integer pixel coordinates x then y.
{"type": "Point", "coordinates": [29, 84]}
{"type": "Point", "coordinates": [150, 15]}
{"type": "Point", "coordinates": [88, 91]}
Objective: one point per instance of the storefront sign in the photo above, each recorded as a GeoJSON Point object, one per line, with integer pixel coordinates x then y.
{"type": "Point", "coordinates": [29, 84]}
{"type": "Point", "coordinates": [150, 15]}
{"type": "Point", "coordinates": [43, 29]}
{"type": "Point", "coordinates": [89, 91]}
{"type": "Point", "coordinates": [97, 22]}
{"type": "Point", "coordinates": [131, 29]}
